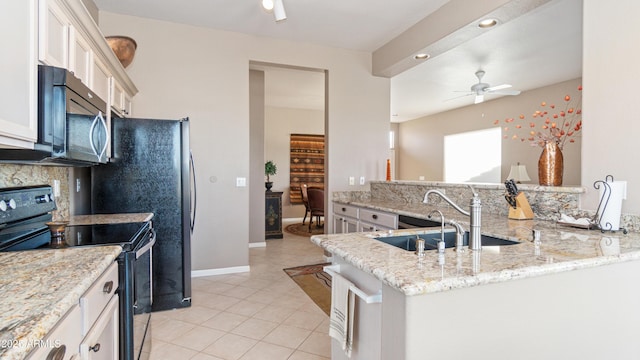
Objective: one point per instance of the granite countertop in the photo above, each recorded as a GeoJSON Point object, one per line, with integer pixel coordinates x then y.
{"type": "Point", "coordinates": [561, 249]}
{"type": "Point", "coordinates": [109, 218]}
{"type": "Point", "coordinates": [38, 287]}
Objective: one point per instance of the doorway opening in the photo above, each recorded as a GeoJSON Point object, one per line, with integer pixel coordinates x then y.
{"type": "Point", "coordinates": [292, 101]}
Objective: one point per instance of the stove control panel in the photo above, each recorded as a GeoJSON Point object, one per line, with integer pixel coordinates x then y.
{"type": "Point", "coordinates": [25, 202]}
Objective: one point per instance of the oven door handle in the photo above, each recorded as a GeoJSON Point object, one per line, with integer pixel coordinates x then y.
{"type": "Point", "coordinates": [148, 246]}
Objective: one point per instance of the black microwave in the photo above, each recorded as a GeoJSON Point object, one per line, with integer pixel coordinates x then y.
{"type": "Point", "coordinates": [72, 123]}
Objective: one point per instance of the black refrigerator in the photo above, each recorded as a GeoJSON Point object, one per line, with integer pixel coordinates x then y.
{"type": "Point", "coordinates": [151, 170]}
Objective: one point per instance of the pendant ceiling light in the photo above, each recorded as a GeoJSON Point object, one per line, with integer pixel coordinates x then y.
{"type": "Point", "coordinates": [277, 7]}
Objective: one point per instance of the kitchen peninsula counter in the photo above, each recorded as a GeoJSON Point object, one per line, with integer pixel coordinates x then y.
{"type": "Point", "coordinates": [561, 249]}
{"type": "Point", "coordinates": [38, 287]}
{"type": "Point", "coordinates": [574, 295]}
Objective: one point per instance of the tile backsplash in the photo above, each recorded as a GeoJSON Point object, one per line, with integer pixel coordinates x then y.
{"type": "Point", "coordinates": [12, 175]}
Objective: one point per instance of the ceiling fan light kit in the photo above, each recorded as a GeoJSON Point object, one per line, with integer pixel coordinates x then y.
{"type": "Point", "coordinates": [480, 89]}
{"type": "Point", "coordinates": [277, 7]}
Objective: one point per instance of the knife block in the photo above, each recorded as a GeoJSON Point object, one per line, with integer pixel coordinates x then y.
{"type": "Point", "coordinates": [522, 210]}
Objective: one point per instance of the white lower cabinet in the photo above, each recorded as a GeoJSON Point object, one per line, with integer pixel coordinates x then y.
{"type": "Point", "coordinates": [102, 340]}
{"type": "Point", "coordinates": [345, 219]}
{"type": "Point", "coordinates": [90, 330]}
{"type": "Point", "coordinates": [373, 220]}
{"type": "Point", "coordinates": [99, 307]}
{"type": "Point", "coordinates": [63, 342]}
{"type": "Point", "coordinates": [349, 218]}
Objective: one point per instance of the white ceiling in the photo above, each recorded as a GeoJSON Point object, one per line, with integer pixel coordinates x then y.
{"type": "Point", "coordinates": [539, 48]}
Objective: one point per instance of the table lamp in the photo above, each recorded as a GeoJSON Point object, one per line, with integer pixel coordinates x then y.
{"type": "Point", "coordinates": [518, 173]}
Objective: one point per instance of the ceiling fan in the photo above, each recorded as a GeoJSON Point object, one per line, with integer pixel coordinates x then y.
{"type": "Point", "coordinates": [480, 89]}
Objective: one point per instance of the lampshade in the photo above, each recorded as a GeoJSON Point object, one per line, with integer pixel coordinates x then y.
{"type": "Point", "coordinates": [518, 173]}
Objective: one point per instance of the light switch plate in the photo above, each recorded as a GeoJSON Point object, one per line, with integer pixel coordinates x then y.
{"type": "Point", "coordinates": [241, 182]}
{"type": "Point", "coordinates": [352, 180]}
{"type": "Point", "coordinates": [361, 180]}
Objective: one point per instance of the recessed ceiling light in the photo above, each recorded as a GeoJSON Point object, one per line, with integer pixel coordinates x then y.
{"type": "Point", "coordinates": [421, 56]}
{"type": "Point", "coordinates": [487, 23]}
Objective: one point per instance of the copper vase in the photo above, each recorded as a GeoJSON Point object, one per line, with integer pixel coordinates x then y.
{"type": "Point", "coordinates": [550, 165]}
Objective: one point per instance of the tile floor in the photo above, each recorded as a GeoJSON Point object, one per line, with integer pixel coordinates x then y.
{"type": "Point", "coordinates": [261, 314]}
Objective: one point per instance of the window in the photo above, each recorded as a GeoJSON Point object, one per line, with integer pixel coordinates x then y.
{"type": "Point", "coordinates": [392, 139]}
{"type": "Point", "coordinates": [474, 156]}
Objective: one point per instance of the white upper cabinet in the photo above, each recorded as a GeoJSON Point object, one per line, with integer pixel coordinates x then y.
{"type": "Point", "coordinates": [120, 100]}
{"type": "Point", "coordinates": [53, 35]}
{"type": "Point", "coordinates": [81, 57]}
{"type": "Point", "coordinates": [101, 80]}
{"type": "Point", "coordinates": [19, 85]}
{"type": "Point", "coordinates": [59, 33]}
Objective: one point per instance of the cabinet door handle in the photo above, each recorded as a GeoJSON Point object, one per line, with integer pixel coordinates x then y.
{"type": "Point", "coordinates": [95, 348]}
{"type": "Point", "coordinates": [108, 286]}
{"type": "Point", "coordinates": [374, 216]}
{"type": "Point", "coordinates": [344, 209]}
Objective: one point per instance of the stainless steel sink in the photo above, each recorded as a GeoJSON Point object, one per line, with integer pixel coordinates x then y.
{"type": "Point", "coordinates": [408, 242]}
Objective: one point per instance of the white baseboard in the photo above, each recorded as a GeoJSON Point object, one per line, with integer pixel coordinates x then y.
{"type": "Point", "coordinates": [257, 244]}
{"type": "Point", "coordinates": [222, 271]}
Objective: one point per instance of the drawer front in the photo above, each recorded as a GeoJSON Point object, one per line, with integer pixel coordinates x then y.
{"type": "Point", "coordinates": [345, 210]}
{"type": "Point", "coordinates": [67, 333]}
{"type": "Point", "coordinates": [96, 298]}
{"type": "Point", "coordinates": [101, 343]}
{"type": "Point", "coordinates": [379, 218]}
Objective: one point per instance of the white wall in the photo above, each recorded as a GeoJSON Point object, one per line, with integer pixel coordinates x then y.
{"type": "Point", "coordinates": [611, 75]}
{"type": "Point", "coordinates": [280, 123]}
{"type": "Point", "coordinates": [204, 74]}
{"type": "Point", "coordinates": [421, 141]}
{"type": "Point", "coordinates": [256, 155]}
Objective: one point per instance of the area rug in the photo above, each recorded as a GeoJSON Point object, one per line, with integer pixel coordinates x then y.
{"type": "Point", "coordinates": [303, 230]}
{"type": "Point", "coordinates": [314, 282]}
{"type": "Point", "coordinates": [306, 164]}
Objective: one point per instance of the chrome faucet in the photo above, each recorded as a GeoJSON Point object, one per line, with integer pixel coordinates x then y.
{"type": "Point", "coordinates": [474, 214]}
{"type": "Point", "coordinates": [455, 224]}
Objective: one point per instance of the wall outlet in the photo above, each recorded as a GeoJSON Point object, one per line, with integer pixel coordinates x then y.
{"type": "Point", "coordinates": [241, 182]}
{"type": "Point", "coordinates": [78, 185]}
{"type": "Point", "coordinates": [352, 180]}
{"type": "Point", "coordinates": [361, 180]}
{"type": "Point", "coordinates": [421, 178]}
{"type": "Point", "coordinates": [56, 188]}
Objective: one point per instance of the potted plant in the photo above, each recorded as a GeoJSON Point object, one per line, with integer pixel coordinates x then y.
{"type": "Point", "coordinates": [269, 169]}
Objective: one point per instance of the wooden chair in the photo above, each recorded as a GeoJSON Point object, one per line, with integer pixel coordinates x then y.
{"type": "Point", "coordinates": [305, 201]}
{"type": "Point", "coordinates": [316, 205]}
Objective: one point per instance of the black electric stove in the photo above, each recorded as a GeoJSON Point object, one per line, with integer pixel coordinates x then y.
{"type": "Point", "coordinates": [24, 214]}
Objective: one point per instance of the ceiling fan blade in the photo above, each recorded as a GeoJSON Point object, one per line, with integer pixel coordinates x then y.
{"type": "Point", "coordinates": [460, 96]}
{"type": "Point", "coordinates": [479, 99]}
{"type": "Point", "coordinates": [506, 92]}
{"type": "Point", "coordinates": [495, 88]}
